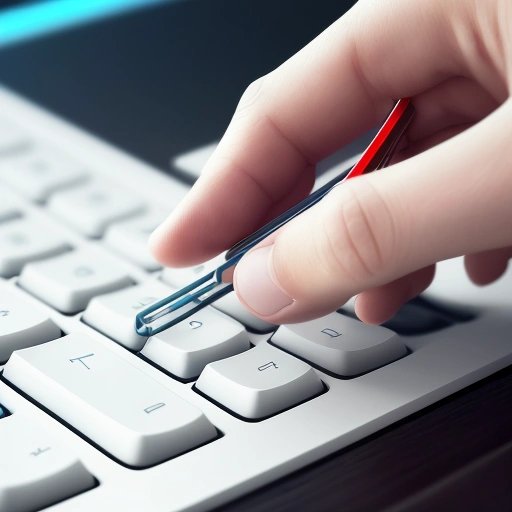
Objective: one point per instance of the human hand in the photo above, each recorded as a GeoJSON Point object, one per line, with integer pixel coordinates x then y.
{"type": "Point", "coordinates": [380, 235]}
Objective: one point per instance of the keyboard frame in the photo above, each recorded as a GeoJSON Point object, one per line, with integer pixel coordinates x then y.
{"type": "Point", "coordinates": [252, 454]}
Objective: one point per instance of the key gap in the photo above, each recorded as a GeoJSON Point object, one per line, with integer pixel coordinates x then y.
{"type": "Point", "coordinates": [257, 420]}
{"type": "Point", "coordinates": [166, 372]}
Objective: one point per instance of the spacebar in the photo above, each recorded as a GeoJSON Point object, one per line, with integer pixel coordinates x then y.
{"type": "Point", "coordinates": [113, 403]}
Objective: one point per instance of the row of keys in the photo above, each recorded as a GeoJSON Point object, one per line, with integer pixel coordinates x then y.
{"type": "Point", "coordinates": [337, 343]}
{"type": "Point", "coordinates": [61, 281]}
{"type": "Point", "coordinates": [183, 350]}
{"type": "Point", "coordinates": [23, 240]}
{"type": "Point", "coordinates": [36, 470]}
{"type": "Point", "coordinates": [140, 421]}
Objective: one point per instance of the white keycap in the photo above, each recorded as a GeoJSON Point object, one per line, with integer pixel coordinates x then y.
{"type": "Point", "coordinates": [230, 305]}
{"type": "Point", "coordinates": [9, 208]}
{"type": "Point", "coordinates": [68, 282]}
{"type": "Point", "coordinates": [36, 470]}
{"type": "Point", "coordinates": [113, 314]}
{"type": "Point", "coordinates": [38, 173]}
{"type": "Point", "coordinates": [21, 324]}
{"type": "Point", "coordinates": [22, 241]}
{"type": "Point", "coordinates": [109, 400]}
{"type": "Point", "coordinates": [260, 382]}
{"type": "Point", "coordinates": [340, 344]}
{"type": "Point", "coordinates": [11, 136]}
{"type": "Point", "coordinates": [186, 348]}
{"type": "Point", "coordinates": [192, 162]}
{"type": "Point", "coordinates": [91, 208]}
{"type": "Point", "coordinates": [130, 239]}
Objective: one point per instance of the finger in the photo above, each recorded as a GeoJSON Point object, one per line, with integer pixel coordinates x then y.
{"type": "Point", "coordinates": [454, 102]}
{"type": "Point", "coordinates": [485, 267]}
{"type": "Point", "coordinates": [450, 200]}
{"type": "Point", "coordinates": [379, 304]}
{"type": "Point", "coordinates": [335, 88]}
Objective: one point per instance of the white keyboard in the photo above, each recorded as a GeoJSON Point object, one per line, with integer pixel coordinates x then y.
{"type": "Point", "coordinates": [95, 417]}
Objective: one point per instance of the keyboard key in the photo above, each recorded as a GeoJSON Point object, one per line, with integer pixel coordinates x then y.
{"type": "Point", "coordinates": [340, 344]}
{"type": "Point", "coordinates": [91, 208]}
{"type": "Point", "coordinates": [260, 382]}
{"type": "Point", "coordinates": [109, 400]}
{"type": "Point", "coordinates": [11, 136]}
{"type": "Point", "coordinates": [22, 241]}
{"type": "Point", "coordinates": [230, 305]}
{"type": "Point", "coordinates": [192, 162]}
{"type": "Point", "coordinates": [68, 282]}
{"type": "Point", "coordinates": [38, 173]}
{"type": "Point", "coordinates": [22, 324]}
{"type": "Point", "coordinates": [186, 348]}
{"type": "Point", "coordinates": [9, 209]}
{"type": "Point", "coordinates": [113, 314]}
{"type": "Point", "coordinates": [130, 239]}
{"type": "Point", "coordinates": [36, 470]}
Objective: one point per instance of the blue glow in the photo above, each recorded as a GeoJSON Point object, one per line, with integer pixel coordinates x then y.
{"type": "Point", "coordinates": [31, 20]}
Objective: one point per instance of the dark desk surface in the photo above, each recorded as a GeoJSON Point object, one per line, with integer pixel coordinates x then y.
{"type": "Point", "coordinates": [162, 81]}
{"type": "Point", "coordinates": [454, 455]}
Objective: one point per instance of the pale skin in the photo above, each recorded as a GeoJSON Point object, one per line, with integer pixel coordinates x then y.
{"type": "Point", "coordinates": [377, 236]}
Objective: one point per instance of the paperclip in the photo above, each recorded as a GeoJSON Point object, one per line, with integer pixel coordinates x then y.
{"type": "Point", "coordinates": [180, 305]}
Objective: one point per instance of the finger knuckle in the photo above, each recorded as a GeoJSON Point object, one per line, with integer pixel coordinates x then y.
{"type": "Point", "coordinates": [252, 95]}
{"type": "Point", "coordinates": [361, 238]}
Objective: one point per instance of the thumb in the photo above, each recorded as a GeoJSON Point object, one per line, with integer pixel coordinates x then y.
{"type": "Point", "coordinates": [451, 200]}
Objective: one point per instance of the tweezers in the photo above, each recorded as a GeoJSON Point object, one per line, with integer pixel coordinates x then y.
{"type": "Point", "coordinates": [180, 305]}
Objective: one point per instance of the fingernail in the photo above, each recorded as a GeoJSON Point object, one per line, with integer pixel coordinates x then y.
{"type": "Point", "coordinates": [256, 284]}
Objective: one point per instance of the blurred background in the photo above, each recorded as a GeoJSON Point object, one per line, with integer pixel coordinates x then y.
{"type": "Point", "coordinates": [157, 78]}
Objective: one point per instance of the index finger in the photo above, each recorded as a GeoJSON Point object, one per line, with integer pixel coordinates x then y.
{"type": "Point", "coordinates": [336, 87]}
